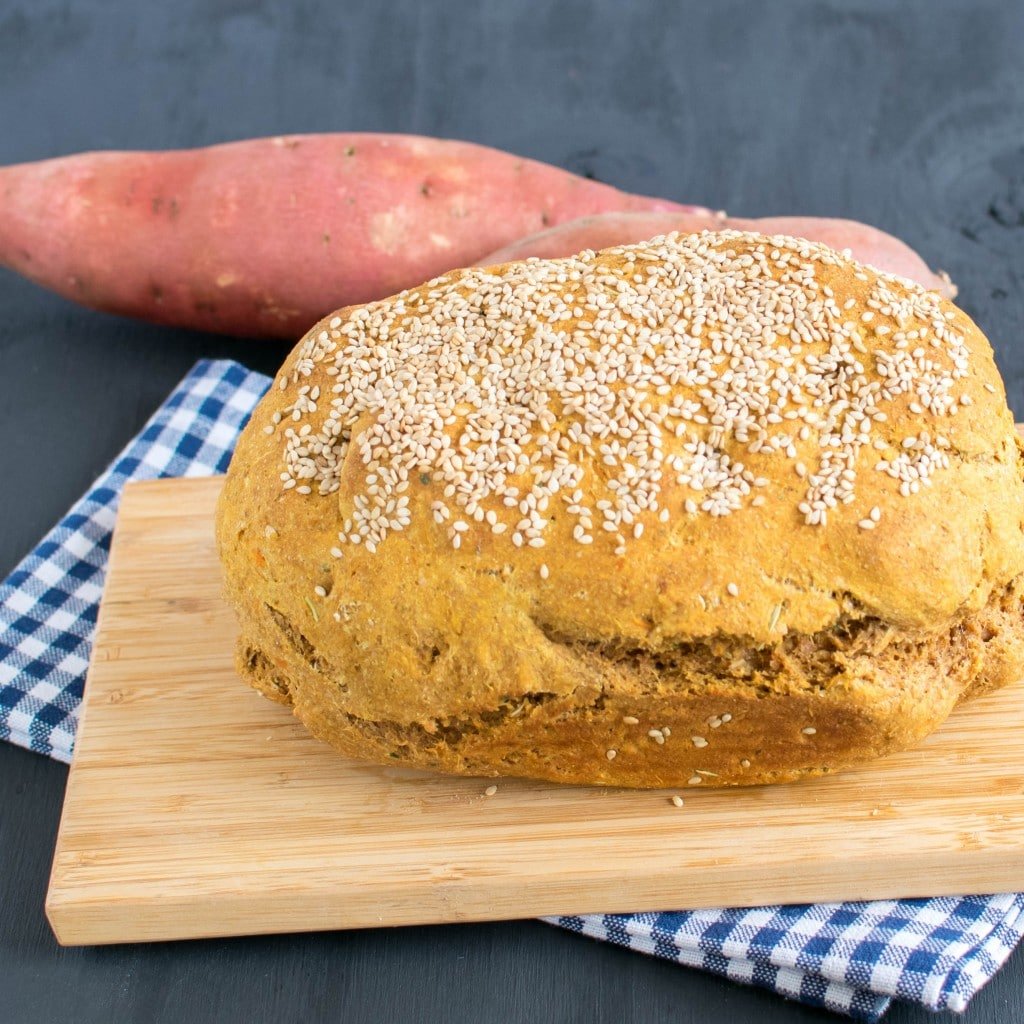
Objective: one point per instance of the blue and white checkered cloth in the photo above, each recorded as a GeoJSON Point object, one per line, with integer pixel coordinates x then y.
{"type": "Point", "coordinates": [853, 958]}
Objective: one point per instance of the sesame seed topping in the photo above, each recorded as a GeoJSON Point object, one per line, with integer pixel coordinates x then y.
{"type": "Point", "coordinates": [694, 780]}
{"type": "Point", "coordinates": [610, 754]}
{"type": "Point", "coordinates": [630, 385]}
{"type": "Point", "coordinates": [269, 531]}
{"type": "Point", "coordinates": [490, 790]}
{"type": "Point", "coordinates": [744, 763]}
{"type": "Point", "coordinates": [657, 735]}
{"type": "Point", "coordinates": [733, 590]}
{"type": "Point", "coordinates": [809, 730]}
{"type": "Point", "coordinates": [319, 591]}
{"type": "Point", "coordinates": [677, 800]}
{"type": "Point", "coordinates": [699, 742]}
{"type": "Point", "coordinates": [543, 572]}
{"type": "Point", "coordinates": [726, 718]}
{"type": "Point", "coordinates": [630, 720]}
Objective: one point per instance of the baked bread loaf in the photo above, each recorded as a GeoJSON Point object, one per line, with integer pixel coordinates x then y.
{"type": "Point", "coordinates": [712, 509]}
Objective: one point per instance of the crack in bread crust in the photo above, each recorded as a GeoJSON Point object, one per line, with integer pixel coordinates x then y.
{"type": "Point", "coordinates": [799, 686]}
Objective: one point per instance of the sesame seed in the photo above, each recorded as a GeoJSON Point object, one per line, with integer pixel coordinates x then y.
{"type": "Point", "coordinates": [677, 800]}
{"type": "Point", "coordinates": [630, 720]}
{"type": "Point", "coordinates": [733, 590]}
{"type": "Point", "coordinates": [610, 754]}
{"type": "Point", "coordinates": [699, 741]}
{"type": "Point", "coordinates": [744, 763]}
{"type": "Point", "coordinates": [319, 591]}
{"type": "Point", "coordinates": [657, 735]}
{"type": "Point", "coordinates": [694, 780]}
{"type": "Point", "coordinates": [615, 377]}
{"type": "Point", "coordinates": [543, 572]}
{"type": "Point", "coordinates": [490, 790]}
{"type": "Point", "coordinates": [809, 730]}
{"type": "Point", "coordinates": [726, 718]}
{"type": "Point", "coordinates": [269, 531]}
{"type": "Point", "coordinates": [875, 514]}
{"type": "Point", "coordinates": [866, 524]}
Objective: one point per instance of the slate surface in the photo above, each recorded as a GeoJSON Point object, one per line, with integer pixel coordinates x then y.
{"type": "Point", "coordinates": [910, 116]}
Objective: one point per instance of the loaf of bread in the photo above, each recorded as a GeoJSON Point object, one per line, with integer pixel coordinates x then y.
{"type": "Point", "coordinates": [713, 509]}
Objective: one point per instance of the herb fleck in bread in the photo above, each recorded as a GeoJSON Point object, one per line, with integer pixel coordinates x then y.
{"type": "Point", "coordinates": [712, 509]}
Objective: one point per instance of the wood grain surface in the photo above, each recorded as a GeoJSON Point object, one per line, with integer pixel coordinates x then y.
{"type": "Point", "coordinates": [195, 807]}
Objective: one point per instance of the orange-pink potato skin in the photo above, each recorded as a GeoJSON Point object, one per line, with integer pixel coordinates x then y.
{"type": "Point", "coordinates": [264, 237]}
{"type": "Point", "coordinates": [601, 231]}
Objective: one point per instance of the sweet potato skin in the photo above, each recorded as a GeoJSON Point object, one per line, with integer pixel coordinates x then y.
{"type": "Point", "coordinates": [601, 231]}
{"type": "Point", "coordinates": [264, 237]}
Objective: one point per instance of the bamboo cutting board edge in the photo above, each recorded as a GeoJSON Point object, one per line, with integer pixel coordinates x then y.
{"type": "Point", "coordinates": [589, 851]}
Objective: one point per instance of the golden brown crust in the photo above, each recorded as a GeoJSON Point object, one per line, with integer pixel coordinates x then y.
{"type": "Point", "coordinates": [496, 659]}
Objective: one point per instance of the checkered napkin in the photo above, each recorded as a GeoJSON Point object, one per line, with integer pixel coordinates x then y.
{"type": "Point", "coordinates": [853, 958]}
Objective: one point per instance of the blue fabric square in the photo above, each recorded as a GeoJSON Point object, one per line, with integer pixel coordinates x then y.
{"type": "Point", "coordinates": [716, 934]}
{"type": "Point", "coordinates": [105, 495]}
{"type": "Point", "coordinates": [189, 445]}
{"type": "Point", "coordinates": [769, 937]}
{"type": "Point", "coordinates": [211, 408]}
{"type": "Point", "coordinates": [54, 597]}
{"type": "Point", "coordinates": [66, 641]}
{"type": "Point", "coordinates": [10, 697]}
{"type": "Point", "coordinates": [50, 714]}
{"type": "Point", "coordinates": [922, 961]}
{"type": "Point", "coordinates": [24, 625]}
{"type": "Point", "coordinates": [82, 570]}
{"type": "Point", "coordinates": [817, 947]}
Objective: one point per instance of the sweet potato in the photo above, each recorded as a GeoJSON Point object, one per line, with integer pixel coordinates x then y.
{"type": "Point", "coordinates": [868, 244]}
{"type": "Point", "coordinates": [264, 237]}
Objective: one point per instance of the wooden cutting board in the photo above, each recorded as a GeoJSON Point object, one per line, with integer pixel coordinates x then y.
{"type": "Point", "coordinates": [195, 807]}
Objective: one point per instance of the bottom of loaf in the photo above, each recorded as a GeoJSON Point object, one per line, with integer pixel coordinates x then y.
{"type": "Point", "coordinates": [715, 712]}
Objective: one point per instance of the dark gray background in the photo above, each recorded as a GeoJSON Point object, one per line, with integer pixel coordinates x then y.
{"type": "Point", "coordinates": [909, 116]}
